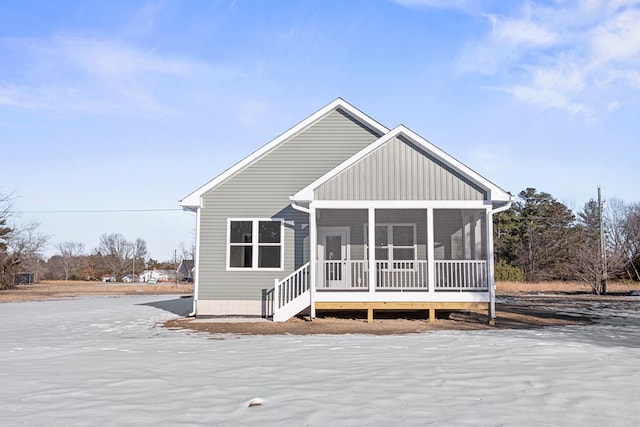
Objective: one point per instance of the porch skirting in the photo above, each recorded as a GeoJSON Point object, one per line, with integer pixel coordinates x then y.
{"type": "Point", "coordinates": [405, 305]}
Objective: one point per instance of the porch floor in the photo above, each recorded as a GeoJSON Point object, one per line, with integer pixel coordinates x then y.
{"type": "Point", "coordinates": [430, 306]}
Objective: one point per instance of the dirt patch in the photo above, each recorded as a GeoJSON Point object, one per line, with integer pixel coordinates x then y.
{"type": "Point", "coordinates": [70, 289]}
{"type": "Point", "coordinates": [567, 288]}
{"type": "Point", "coordinates": [518, 313]}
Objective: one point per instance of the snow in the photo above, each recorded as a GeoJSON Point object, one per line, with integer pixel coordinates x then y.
{"type": "Point", "coordinates": [105, 361]}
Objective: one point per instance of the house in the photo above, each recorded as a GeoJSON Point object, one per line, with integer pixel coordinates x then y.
{"type": "Point", "coordinates": [158, 275]}
{"type": "Point", "coordinates": [340, 212]}
{"type": "Point", "coordinates": [185, 270]}
{"type": "Point", "coordinates": [130, 278]}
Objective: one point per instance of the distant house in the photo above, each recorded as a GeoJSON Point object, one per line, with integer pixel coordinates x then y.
{"type": "Point", "coordinates": [340, 212]}
{"type": "Point", "coordinates": [130, 278]}
{"type": "Point", "coordinates": [159, 275]}
{"type": "Point", "coordinates": [24, 279]}
{"type": "Point", "coordinates": [185, 270]}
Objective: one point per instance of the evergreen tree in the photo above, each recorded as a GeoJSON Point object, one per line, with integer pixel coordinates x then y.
{"type": "Point", "coordinates": [536, 236]}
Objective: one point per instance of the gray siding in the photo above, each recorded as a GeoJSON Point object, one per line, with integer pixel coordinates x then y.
{"type": "Point", "coordinates": [262, 190]}
{"type": "Point", "coordinates": [399, 170]}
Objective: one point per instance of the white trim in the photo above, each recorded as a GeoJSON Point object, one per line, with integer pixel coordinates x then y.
{"type": "Point", "coordinates": [313, 247]}
{"type": "Point", "coordinates": [371, 249]}
{"type": "Point", "coordinates": [495, 193]}
{"type": "Point", "coordinates": [401, 204]}
{"type": "Point", "coordinates": [196, 264]}
{"type": "Point", "coordinates": [490, 265]}
{"type": "Point", "coordinates": [431, 253]}
{"type": "Point", "coordinates": [402, 296]}
{"type": "Point", "coordinates": [195, 198]}
{"type": "Point", "coordinates": [255, 244]}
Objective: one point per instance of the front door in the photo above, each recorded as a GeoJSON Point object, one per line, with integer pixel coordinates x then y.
{"type": "Point", "coordinates": [333, 256]}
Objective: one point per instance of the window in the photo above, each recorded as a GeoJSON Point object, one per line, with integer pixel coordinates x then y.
{"type": "Point", "coordinates": [255, 244]}
{"type": "Point", "coordinates": [396, 243]}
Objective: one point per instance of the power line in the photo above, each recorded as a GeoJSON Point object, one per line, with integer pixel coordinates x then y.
{"type": "Point", "coordinates": [99, 211]}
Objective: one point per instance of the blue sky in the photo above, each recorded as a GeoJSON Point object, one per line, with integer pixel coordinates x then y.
{"type": "Point", "coordinates": [131, 105]}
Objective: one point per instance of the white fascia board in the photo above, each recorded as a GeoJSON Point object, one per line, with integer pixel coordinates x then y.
{"type": "Point", "coordinates": [401, 204]}
{"type": "Point", "coordinates": [194, 199]}
{"type": "Point", "coordinates": [495, 192]}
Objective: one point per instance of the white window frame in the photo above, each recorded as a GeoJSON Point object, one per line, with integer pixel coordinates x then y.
{"type": "Point", "coordinates": [390, 246]}
{"type": "Point", "coordinates": [255, 244]}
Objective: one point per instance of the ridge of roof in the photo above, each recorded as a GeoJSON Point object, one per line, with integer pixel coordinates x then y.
{"type": "Point", "coordinates": [193, 200]}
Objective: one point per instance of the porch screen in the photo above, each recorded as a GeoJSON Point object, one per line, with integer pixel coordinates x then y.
{"type": "Point", "coordinates": [395, 243]}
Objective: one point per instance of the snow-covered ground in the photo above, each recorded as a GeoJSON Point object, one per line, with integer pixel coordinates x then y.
{"type": "Point", "coordinates": [103, 361]}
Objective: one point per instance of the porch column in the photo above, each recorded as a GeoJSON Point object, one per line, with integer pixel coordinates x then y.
{"type": "Point", "coordinates": [466, 235]}
{"type": "Point", "coordinates": [477, 237]}
{"type": "Point", "coordinates": [196, 274]}
{"type": "Point", "coordinates": [372, 250]}
{"type": "Point", "coordinates": [431, 263]}
{"type": "Point", "coordinates": [313, 258]}
{"type": "Point", "coordinates": [490, 268]}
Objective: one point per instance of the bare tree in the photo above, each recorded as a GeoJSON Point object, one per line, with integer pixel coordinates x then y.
{"type": "Point", "coordinates": [186, 252]}
{"type": "Point", "coordinates": [138, 255]}
{"type": "Point", "coordinates": [69, 253]}
{"type": "Point", "coordinates": [632, 233]}
{"type": "Point", "coordinates": [20, 245]}
{"type": "Point", "coordinates": [117, 251]}
{"type": "Point", "coordinates": [587, 265]}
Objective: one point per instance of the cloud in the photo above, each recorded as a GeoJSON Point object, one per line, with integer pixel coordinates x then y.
{"type": "Point", "coordinates": [578, 57]}
{"type": "Point", "coordinates": [515, 32]}
{"type": "Point", "coordinates": [97, 76]}
{"type": "Point", "coordinates": [441, 4]}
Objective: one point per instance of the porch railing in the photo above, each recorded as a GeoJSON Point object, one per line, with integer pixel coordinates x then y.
{"type": "Point", "coordinates": [461, 276]}
{"type": "Point", "coordinates": [351, 274]}
{"type": "Point", "coordinates": [402, 275]}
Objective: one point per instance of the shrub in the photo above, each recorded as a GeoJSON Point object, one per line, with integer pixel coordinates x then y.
{"type": "Point", "coordinates": [508, 273]}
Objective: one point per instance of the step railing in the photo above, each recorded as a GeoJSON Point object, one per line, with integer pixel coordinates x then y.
{"type": "Point", "coordinates": [292, 286]}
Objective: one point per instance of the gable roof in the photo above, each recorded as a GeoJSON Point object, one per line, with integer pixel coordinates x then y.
{"type": "Point", "coordinates": [494, 193]}
{"type": "Point", "coordinates": [193, 200]}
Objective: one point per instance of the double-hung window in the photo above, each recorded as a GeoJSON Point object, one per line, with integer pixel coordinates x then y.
{"type": "Point", "coordinates": [254, 244]}
{"type": "Point", "coordinates": [395, 243]}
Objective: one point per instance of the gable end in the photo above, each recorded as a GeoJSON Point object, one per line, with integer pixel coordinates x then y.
{"type": "Point", "coordinates": [400, 170]}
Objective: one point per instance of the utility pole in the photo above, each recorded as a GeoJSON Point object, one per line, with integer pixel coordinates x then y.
{"type": "Point", "coordinates": [603, 253]}
{"type": "Point", "coordinates": [175, 263]}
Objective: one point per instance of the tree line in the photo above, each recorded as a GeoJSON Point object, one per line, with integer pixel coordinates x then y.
{"type": "Point", "coordinates": [115, 257]}
{"type": "Point", "coordinates": [21, 247]}
{"type": "Point", "coordinates": [540, 239]}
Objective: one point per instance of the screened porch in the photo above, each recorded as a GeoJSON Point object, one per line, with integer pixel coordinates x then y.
{"type": "Point", "coordinates": [428, 249]}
